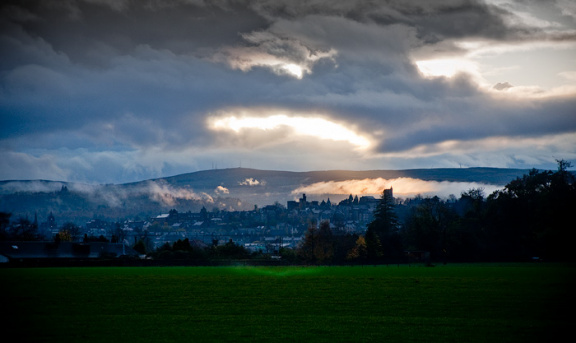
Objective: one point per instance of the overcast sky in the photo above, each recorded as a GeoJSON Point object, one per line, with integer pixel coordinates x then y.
{"type": "Point", "coordinates": [110, 91]}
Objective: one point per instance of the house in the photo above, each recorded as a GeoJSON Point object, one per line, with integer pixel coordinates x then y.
{"type": "Point", "coordinates": [162, 218]}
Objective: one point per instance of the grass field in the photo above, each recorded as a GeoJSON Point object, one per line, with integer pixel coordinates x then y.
{"type": "Point", "coordinates": [452, 303]}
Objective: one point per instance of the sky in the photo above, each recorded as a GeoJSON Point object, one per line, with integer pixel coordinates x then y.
{"type": "Point", "coordinates": [114, 91]}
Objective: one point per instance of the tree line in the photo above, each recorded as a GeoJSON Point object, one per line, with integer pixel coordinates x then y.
{"type": "Point", "coordinates": [531, 218]}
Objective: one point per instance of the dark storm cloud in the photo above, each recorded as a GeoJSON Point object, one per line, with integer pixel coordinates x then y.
{"type": "Point", "coordinates": [92, 32]}
{"type": "Point", "coordinates": [111, 83]}
{"type": "Point", "coordinates": [434, 21]}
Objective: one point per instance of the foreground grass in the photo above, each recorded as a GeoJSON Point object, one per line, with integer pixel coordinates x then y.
{"type": "Point", "coordinates": [470, 303]}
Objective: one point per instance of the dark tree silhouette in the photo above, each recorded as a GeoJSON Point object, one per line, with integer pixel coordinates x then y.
{"type": "Point", "coordinates": [428, 227]}
{"type": "Point", "coordinates": [324, 247]}
{"type": "Point", "coordinates": [140, 247]}
{"type": "Point", "coordinates": [382, 237]}
{"type": "Point", "coordinates": [70, 230]}
{"type": "Point", "coordinates": [4, 224]}
{"type": "Point", "coordinates": [318, 245]}
{"type": "Point", "coordinates": [23, 230]}
{"type": "Point", "coordinates": [305, 251]}
{"type": "Point", "coordinates": [532, 216]}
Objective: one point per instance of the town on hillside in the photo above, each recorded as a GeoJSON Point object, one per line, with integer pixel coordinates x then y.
{"type": "Point", "coordinates": [526, 220]}
{"type": "Point", "coordinates": [265, 230]}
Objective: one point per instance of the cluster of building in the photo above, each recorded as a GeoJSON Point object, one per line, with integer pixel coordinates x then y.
{"type": "Point", "coordinates": [261, 229]}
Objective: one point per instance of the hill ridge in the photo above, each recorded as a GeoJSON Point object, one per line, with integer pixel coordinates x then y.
{"type": "Point", "coordinates": [230, 188]}
{"type": "Point", "coordinates": [431, 173]}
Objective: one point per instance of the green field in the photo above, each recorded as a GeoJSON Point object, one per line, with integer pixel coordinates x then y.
{"type": "Point", "coordinates": [453, 303]}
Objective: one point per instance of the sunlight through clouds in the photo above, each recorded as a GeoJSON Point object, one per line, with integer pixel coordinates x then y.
{"type": "Point", "coordinates": [305, 126]}
{"type": "Point", "coordinates": [281, 55]}
{"type": "Point", "coordinates": [249, 60]}
{"type": "Point", "coordinates": [294, 70]}
{"type": "Point", "coordinates": [446, 67]}
{"type": "Point", "coordinates": [490, 62]}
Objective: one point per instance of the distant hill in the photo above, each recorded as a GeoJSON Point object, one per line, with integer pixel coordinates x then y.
{"type": "Point", "coordinates": [235, 176]}
{"type": "Point", "coordinates": [231, 189]}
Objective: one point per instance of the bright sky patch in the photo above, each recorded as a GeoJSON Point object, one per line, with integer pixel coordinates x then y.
{"type": "Point", "coordinates": [305, 126]}
{"type": "Point", "coordinates": [446, 67]}
{"type": "Point", "coordinates": [294, 70]}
